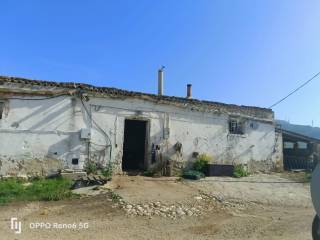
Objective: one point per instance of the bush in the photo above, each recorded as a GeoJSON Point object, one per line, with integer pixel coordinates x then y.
{"type": "Point", "coordinates": [192, 174]}
{"type": "Point", "coordinates": [42, 189]}
{"type": "Point", "coordinates": [240, 171]}
{"type": "Point", "coordinates": [201, 163]}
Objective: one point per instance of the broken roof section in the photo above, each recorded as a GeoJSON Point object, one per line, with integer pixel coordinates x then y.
{"type": "Point", "coordinates": [262, 114]}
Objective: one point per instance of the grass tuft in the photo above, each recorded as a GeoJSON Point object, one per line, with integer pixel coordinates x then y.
{"type": "Point", "coordinates": [41, 189]}
{"type": "Point", "coordinates": [115, 197]}
{"type": "Point", "coordinates": [10, 189]}
{"type": "Point", "coordinates": [49, 190]}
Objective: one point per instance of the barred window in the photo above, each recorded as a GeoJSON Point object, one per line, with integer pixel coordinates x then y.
{"type": "Point", "coordinates": [235, 126]}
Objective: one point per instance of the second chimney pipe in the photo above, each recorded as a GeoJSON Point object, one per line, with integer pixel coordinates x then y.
{"type": "Point", "coordinates": [160, 81]}
{"type": "Point", "coordinates": [189, 90]}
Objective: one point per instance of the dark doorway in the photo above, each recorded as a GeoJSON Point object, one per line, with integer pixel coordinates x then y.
{"type": "Point", "coordinates": [134, 145]}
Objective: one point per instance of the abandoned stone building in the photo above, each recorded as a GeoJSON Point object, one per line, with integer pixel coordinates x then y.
{"type": "Point", "coordinates": [46, 126]}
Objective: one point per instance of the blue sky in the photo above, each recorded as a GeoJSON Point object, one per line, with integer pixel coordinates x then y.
{"type": "Point", "coordinates": [235, 51]}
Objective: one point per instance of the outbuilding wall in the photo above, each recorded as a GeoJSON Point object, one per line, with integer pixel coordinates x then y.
{"type": "Point", "coordinates": [41, 136]}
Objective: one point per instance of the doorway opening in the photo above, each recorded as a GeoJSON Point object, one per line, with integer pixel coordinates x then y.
{"type": "Point", "coordinates": [134, 145]}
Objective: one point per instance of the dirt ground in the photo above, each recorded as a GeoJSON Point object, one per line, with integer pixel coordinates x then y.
{"type": "Point", "coordinates": [260, 207]}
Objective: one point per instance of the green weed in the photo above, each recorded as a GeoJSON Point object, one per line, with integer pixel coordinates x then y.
{"type": "Point", "coordinates": [107, 172]}
{"type": "Point", "coordinates": [115, 197]}
{"type": "Point", "coordinates": [41, 189]}
{"type": "Point", "coordinates": [10, 189]}
{"type": "Point", "coordinates": [49, 190]}
{"type": "Point", "coordinates": [201, 163]}
{"type": "Point", "coordinates": [91, 167]}
{"type": "Point", "coordinates": [240, 171]}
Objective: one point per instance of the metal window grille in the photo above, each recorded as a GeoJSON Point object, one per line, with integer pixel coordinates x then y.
{"type": "Point", "coordinates": [235, 127]}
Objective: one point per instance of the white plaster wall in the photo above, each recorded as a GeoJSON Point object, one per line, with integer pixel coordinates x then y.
{"type": "Point", "coordinates": [198, 132]}
{"type": "Point", "coordinates": [49, 130]}
{"type": "Point", "coordinates": [36, 133]}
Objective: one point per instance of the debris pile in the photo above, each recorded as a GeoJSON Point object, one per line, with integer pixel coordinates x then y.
{"type": "Point", "coordinates": [90, 180]}
{"type": "Point", "coordinates": [159, 209]}
{"type": "Point", "coordinates": [172, 211]}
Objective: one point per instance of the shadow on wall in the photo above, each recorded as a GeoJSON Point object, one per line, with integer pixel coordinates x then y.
{"type": "Point", "coordinates": [71, 143]}
{"type": "Point", "coordinates": [47, 114]}
{"type": "Point", "coordinates": [67, 149]}
{"type": "Point", "coordinates": [55, 118]}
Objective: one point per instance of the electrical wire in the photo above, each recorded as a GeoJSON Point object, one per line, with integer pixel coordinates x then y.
{"type": "Point", "coordinates": [97, 125]}
{"type": "Point", "coordinates": [36, 99]}
{"type": "Point", "coordinates": [99, 145]}
{"type": "Point", "coordinates": [87, 111]}
{"type": "Point", "coordinates": [295, 90]}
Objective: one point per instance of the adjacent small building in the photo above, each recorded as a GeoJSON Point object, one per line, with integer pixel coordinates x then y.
{"type": "Point", "coordinates": [300, 152]}
{"type": "Point", "coordinates": [46, 126]}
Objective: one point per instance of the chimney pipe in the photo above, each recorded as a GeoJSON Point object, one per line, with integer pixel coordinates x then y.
{"type": "Point", "coordinates": [160, 81]}
{"type": "Point", "coordinates": [189, 90]}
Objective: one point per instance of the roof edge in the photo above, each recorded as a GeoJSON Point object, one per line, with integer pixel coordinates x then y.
{"type": "Point", "coordinates": [121, 92]}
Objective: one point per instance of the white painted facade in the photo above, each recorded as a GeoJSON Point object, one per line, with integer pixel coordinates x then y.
{"type": "Point", "coordinates": [40, 136]}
